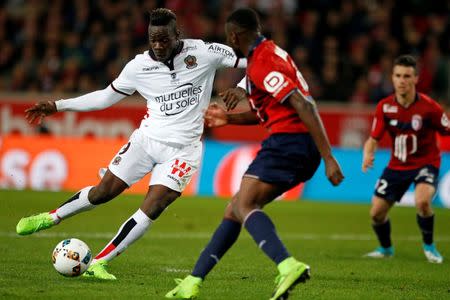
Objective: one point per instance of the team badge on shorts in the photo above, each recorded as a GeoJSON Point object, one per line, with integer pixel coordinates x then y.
{"type": "Point", "coordinates": [416, 122]}
{"type": "Point", "coordinates": [180, 172]}
{"type": "Point", "coordinates": [190, 61]}
{"type": "Point", "coordinates": [117, 160]}
{"type": "Point", "coordinates": [180, 168]}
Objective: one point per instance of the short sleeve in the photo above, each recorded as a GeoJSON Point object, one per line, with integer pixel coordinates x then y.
{"type": "Point", "coordinates": [275, 83]}
{"type": "Point", "coordinates": [223, 56]}
{"type": "Point", "coordinates": [125, 83]}
{"type": "Point", "coordinates": [439, 120]}
{"type": "Point", "coordinates": [378, 124]}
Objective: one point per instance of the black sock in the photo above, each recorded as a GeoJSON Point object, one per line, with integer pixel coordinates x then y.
{"type": "Point", "coordinates": [426, 225]}
{"type": "Point", "coordinates": [223, 238]}
{"type": "Point", "coordinates": [261, 228]}
{"type": "Point", "coordinates": [383, 232]}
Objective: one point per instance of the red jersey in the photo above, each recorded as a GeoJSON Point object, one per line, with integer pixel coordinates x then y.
{"type": "Point", "coordinates": [412, 131]}
{"type": "Point", "coordinates": [272, 77]}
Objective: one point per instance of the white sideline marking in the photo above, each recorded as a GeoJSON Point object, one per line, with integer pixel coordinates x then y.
{"type": "Point", "coordinates": [207, 235]}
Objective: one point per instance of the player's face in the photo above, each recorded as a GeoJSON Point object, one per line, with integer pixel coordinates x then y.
{"type": "Point", "coordinates": [404, 79]}
{"type": "Point", "coordinates": [233, 40]}
{"type": "Point", "coordinates": [163, 39]}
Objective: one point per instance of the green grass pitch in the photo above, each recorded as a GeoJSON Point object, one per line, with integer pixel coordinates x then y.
{"type": "Point", "coordinates": [330, 237]}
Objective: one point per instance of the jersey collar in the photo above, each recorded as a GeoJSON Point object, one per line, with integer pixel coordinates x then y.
{"type": "Point", "coordinates": [257, 42]}
{"type": "Point", "coordinates": [416, 98]}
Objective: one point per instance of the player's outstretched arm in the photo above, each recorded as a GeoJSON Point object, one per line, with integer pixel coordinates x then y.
{"type": "Point", "coordinates": [39, 111]}
{"type": "Point", "coordinates": [369, 153]}
{"type": "Point", "coordinates": [307, 111]}
{"type": "Point", "coordinates": [92, 101]}
{"type": "Point", "coordinates": [216, 116]}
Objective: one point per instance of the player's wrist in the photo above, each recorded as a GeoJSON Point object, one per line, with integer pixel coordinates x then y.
{"type": "Point", "coordinates": [229, 118]}
{"type": "Point", "coordinates": [52, 106]}
{"type": "Point", "coordinates": [327, 157]}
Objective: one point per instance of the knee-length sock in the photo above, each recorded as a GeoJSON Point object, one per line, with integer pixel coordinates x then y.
{"type": "Point", "coordinates": [76, 204]}
{"type": "Point", "coordinates": [222, 240]}
{"type": "Point", "coordinates": [383, 232]}
{"type": "Point", "coordinates": [128, 233]}
{"type": "Point", "coordinates": [261, 228]}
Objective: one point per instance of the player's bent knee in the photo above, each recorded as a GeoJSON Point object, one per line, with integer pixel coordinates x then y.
{"type": "Point", "coordinates": [153, 207]}
{"type": "Point", "coordinates": [230, 214]}
{"type": "Point", "coordinates": [378, 217]}
{"type": "Point", "coordinates": [424, 208]}
{"type": "Point", "coordinates": [242, 209]}
{"type": "Point", "coordinates": [156, 210]}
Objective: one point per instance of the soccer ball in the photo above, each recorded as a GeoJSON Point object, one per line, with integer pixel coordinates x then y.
{"type": "Point", "coordinates": [71, 257]}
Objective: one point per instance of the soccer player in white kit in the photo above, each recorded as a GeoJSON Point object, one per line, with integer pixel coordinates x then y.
{"type": "Point", "coordinates": [176, 77]}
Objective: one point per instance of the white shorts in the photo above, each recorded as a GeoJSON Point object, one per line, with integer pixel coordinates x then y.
{"type": "Point", "coordinates": [171, 165]}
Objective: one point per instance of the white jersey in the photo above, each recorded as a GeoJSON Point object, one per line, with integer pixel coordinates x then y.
{"type": "Point", "coordinates": [177, 92]}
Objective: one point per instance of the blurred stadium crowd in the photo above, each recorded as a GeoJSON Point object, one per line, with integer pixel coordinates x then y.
{"type": "Point", "coordinates": [343, 48]}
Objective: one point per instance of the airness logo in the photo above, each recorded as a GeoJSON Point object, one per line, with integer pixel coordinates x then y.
{"type": "Point", "coordinates": [190, 61]}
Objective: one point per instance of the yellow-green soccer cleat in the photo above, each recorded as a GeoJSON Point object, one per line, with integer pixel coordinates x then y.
{"type": "Point", "coordinates": [187, 288]}
{"type": "Point", "coordinates": [32, 224]}
{"type": "Point", "coordinates": [98, 270]}
{"type": "Point", "coordinates": [292, 272]}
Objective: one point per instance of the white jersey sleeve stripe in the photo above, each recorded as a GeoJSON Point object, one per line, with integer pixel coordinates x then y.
{"type": "Point", "coordinates": [117, 91]}
{"type": "Point", "coordinates": [289, 94]}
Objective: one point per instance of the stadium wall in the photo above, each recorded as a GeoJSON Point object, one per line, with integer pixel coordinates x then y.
{"type": "Point", "coordinates": [68, 163]}
{"type": "Point", "coordinates": [346, 126]}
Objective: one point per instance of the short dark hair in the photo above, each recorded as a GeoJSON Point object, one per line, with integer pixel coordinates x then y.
{"type": "Point", "coordinates": [245, 18]}
{"type": "Point", "coordinates": [406, 61]}
{"type": "Point", "coordinates": [162, 17]}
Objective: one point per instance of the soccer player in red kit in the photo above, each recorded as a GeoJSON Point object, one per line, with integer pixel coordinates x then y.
{"type": "Point", "coordinates": [412, 120]}
{"type": "Point", "coordinates": [279, 101]}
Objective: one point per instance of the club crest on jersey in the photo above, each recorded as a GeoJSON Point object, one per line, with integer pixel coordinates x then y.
{"type": "Point", "coordinates": [390, 108]}
{"type": "Point", "coordinates": [190, 61]}
{"type": "Point", "coordinates": [117, 160]}
{"type": "Point", "coordinates": [416, 122]}
{"type": "Point", "coordinates": [444, 120]}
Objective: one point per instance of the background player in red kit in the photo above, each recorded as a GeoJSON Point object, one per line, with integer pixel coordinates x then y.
{"type": "Point", "coordinates": [280, 101]}
{"type": "Point", "coordinates": [412, 120]}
